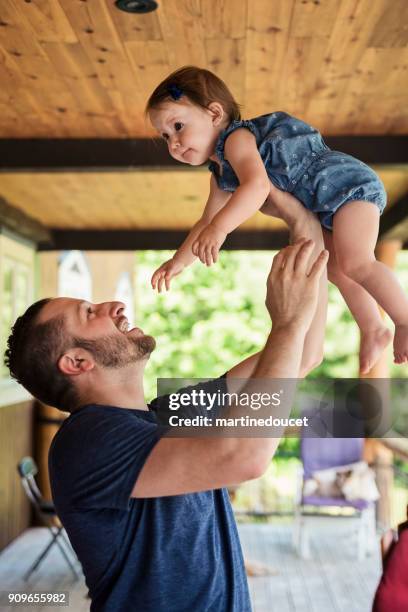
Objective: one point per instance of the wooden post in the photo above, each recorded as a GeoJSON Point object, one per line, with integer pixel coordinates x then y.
{"type": "Point", "coordinates": [375, 452]}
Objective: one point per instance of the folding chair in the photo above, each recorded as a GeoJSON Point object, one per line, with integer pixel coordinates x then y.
{"type": "Point", "coordinates": [45, 511]}
{"type": "Point", "coordinates": [317, 454]}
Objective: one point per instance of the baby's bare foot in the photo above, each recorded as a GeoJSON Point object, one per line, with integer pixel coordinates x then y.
{"type": "Point", "coordinates": [372, 344]}
{"type": "Point", "coordinates": [401, 344]}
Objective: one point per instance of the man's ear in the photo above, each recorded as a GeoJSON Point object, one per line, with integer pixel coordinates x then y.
{"type": "Point", "coordinates": [75, 362]}
{"type": "Point", "coordinates": [217, 112]}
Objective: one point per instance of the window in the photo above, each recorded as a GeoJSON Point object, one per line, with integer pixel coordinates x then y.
{"type": "Point", "coordinates": [16, 287]}
{"type": "Point", "coordinates": [74, 276]}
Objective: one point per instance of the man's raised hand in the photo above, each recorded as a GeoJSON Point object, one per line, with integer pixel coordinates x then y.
{"type": "Point", "coordinates": [292, 291]}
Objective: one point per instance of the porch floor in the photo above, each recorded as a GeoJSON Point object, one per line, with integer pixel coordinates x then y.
{"type": "Point", "coordinates": [333, 580]}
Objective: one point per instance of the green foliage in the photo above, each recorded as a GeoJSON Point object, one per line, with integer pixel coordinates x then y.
{"type": "Point", "coordinates": [212, 318]}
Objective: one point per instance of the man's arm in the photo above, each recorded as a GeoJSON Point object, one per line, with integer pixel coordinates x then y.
{"type": "Point", "coordinates": [185, 465]}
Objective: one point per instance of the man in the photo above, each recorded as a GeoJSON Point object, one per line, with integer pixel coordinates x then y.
{"type": "Point", "coordinates": [148, 515]}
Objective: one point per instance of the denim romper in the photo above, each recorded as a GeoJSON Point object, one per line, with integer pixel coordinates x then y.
{"type": "Point", "coordinates": [297, 160]}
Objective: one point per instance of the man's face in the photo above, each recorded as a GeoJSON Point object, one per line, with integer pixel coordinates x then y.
{"type": "Point", "coordinates": [101, 329]}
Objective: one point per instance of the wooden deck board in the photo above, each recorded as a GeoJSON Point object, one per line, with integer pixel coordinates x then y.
{"type": "Point", "coordinates": [332, 580]}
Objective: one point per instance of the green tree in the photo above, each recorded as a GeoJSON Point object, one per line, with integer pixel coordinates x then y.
{"type": "Point", "coordinates": [214, 317]}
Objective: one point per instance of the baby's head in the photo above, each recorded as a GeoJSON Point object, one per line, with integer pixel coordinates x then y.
{"type": "Point", "coordinates": [189, 109]}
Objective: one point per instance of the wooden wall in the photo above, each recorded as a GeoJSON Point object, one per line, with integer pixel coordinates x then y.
{"type": "Point", "coordinates": [16, 441]}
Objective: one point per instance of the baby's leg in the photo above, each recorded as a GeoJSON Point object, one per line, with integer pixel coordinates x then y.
{"type": "Point", "coordinates": [374, 334]}
{"type": "Point", "coordinates": [355, 232]}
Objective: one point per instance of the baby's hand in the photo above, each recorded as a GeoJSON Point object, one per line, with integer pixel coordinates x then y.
{"type": "Point", "coordinates": [165, 273]}
{"type": "Point", "coordinates": [208, 244]}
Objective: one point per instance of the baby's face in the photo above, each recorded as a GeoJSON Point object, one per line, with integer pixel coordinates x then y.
{"type": "Point", "coordinates": [189, 130]}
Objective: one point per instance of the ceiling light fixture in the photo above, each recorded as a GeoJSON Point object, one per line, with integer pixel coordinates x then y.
{"type": "Point", "coordinates": [137, 6]}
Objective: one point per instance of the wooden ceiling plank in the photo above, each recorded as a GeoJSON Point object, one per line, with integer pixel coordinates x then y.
{"type": "Point", "coordinates": [149, 58]}
{"type": "Point", "coordinates": [298, 90]}
{"type": "Point", "coordinates": [40, 91]}
{"type": "Point", "coordinates": [98, 36]}
{"type": "Point", "coordinates": [267, 39]}
{"type": "Point", "coordinates": [10, 79]}
{"type": "Point", "coordinates": [11, 122]}
{"type": "Point", "coordinates": [19, 43]}
{"type": "Point", "coordinates": [224, 18]}
{"type": "Point", "coordinates": [397, 85]}
{"type": "Point", "coordinates": [48, 20]}
{"type": "Point", "coordinates": [348, 41]}
{"type": "Point", "coordinates": [380, 70]}
{"type": "Point", "coordinates": [183, 33]}
{"type": "Point", "coordinates": [388, 31]}
{"type": "Point", "coordinates": [310, 18]}
{"type": "Point", "coordinates": [92, 100]}
{"type": "Point", "coordinates": [226, 58]}
{"type": "Point", "coordinates": [357, 99]}
{"type": "Point", "coordinates": [311, 25]}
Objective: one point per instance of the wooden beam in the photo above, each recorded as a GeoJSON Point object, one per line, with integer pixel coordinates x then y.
{"type": "Point", "coordinates": [140, 240]}
{"type": "Point", "coordinates": [128, 154]}
{"type": "Point", "coordinates": [86, 155]}
{"type": "Point", "coordinates": [18, 222]}
{"type": "Point", "coordinates": [394, 222]}
{"type": "Point", "coordinates": [373, 150]}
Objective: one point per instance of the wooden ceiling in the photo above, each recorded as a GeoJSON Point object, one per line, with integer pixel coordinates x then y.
{"type": "Point", "coordinates": [132, 200]}
{"type": "Point", "coordinates": [81, 69]}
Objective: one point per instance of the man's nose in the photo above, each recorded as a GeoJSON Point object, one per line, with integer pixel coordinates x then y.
{"type": "Point", "coordinates": [113, 308]}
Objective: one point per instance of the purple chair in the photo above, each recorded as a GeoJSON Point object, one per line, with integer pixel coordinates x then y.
{"type": "Point", "coordinates": [319, 454]}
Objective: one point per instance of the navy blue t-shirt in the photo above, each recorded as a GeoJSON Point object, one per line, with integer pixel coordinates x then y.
{"type": "Point", "coordinates": [166, 554]}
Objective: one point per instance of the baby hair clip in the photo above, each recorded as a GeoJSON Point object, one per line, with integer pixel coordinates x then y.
{"type": "Point", "coordinates": [175, 91]}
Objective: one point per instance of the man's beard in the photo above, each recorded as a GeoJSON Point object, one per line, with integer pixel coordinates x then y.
{"type": "Point", "coordinates": [116, 351]}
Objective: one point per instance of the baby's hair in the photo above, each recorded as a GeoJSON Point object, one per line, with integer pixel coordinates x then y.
{"type": "Point", "coordinates": [200, 86]}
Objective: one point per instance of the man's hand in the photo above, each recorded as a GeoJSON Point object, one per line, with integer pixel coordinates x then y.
{"type": "Point", "coordinates": [208, 244]}
{"type": "Point", "coordinates": [165, 273]}
{"type": "Point", "coordinates": [292, 291]}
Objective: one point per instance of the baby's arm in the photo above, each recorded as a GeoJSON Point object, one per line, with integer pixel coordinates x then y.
{"type": "Point", "coordinates": [254, 187]}
{"type": "Point", "coordinates": [184, 256]}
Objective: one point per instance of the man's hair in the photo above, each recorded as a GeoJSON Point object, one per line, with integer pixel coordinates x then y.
{"type": "Point", "coordinates": [200, 86]}
{"type": "Point", "coordinates": [32, 354]}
